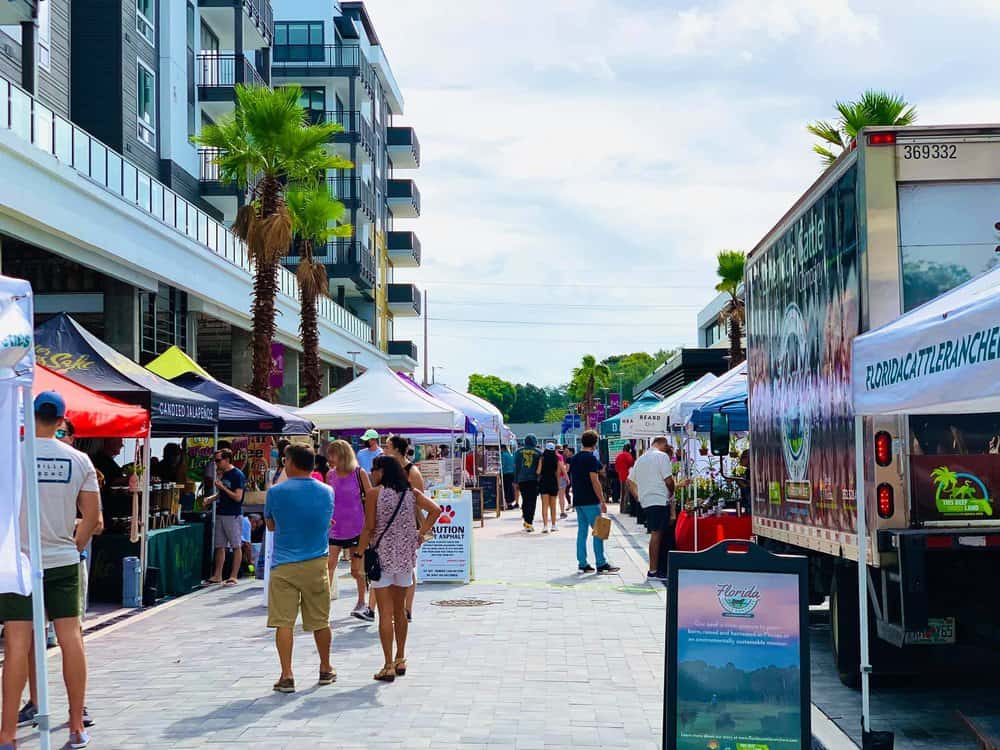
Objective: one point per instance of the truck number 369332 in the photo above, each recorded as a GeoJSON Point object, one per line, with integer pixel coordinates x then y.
{"type": "Point", "coordinates": [930, 151]}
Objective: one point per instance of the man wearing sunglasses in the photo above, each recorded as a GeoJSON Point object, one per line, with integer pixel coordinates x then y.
{"type": "Point", "coordinates": [229, 484]}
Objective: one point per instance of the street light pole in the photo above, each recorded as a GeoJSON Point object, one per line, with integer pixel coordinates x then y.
{"type": "Point", "coordinates": [354, 365]}
{"type": "Point", "coordinates": [434, 369]}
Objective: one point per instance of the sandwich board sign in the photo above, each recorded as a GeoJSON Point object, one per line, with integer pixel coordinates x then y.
{"type": "Point", "coordinates": [737, 656]}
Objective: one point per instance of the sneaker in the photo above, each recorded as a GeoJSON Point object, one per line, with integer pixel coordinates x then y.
{"type": "Point", "coordinates": [545, 529]}
{"type": "Point", "coordinates": [586, 569]}
{"type": "Point", "coordinates": [368, 615]}
{"type": "Point", "coordinates": [87, 721]}
{"type": "Point", "coordinates": [359, 611]}
{"type": "Point", "coordinates": [529, 528]}
{"type": "Point", "coordinates": [78, 740]}
{"type": "Point", "coordinates": [655, 575]}
{"type": "Point", "coordinates": [608, 568]}
{"type": "Point", "coordinates": [27, 714]}
{"type": "Point", "coordinates": [554, 528]}
{"type": "Point", "coordinates": [563, 515]}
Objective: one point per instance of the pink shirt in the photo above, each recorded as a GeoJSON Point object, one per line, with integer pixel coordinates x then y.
{"type": "Point", "coordinates": [348, 509]}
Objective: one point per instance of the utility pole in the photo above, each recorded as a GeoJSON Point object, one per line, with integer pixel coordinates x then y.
{"type": "Point", "coordinates": [354, 365]}
{"type": "Point", "coordinates": [426, 353]}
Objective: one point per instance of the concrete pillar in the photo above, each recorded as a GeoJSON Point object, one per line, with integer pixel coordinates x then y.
{"type": "Point", "coordinates": [325, 387]}
{"type": "Point", "coordinates": [121, 317]}
{"type": "Point", "coordinates": [238, 40]}
{"type": "Point", "coordinates": [242, 359]}
{"type": "Point", "coordinates": [191, 334]}
{"type": "Point", "coordinates": [29, 55]}
{"type": "Point", "coordinates": [288, 394]}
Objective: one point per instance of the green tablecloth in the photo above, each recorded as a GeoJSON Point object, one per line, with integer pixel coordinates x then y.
{"type": "Point", "coordinates": [177, 552]}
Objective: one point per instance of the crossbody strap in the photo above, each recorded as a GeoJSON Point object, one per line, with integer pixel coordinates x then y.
{"type": "Point", "coordinates": [391, 519]}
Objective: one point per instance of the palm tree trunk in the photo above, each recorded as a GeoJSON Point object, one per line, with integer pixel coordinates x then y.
{"type": "Point", "coordinates": [735, 341]}
{"type": "Point", "coordinates": [312, 372]}
{"type": "Point", "coordinates": [265, 292]}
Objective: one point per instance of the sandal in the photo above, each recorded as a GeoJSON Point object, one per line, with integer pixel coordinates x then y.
{"type": "Point", "coordinates": [284, 685]}
{"type": "Point", "coordinates": [386, 674]}
{"type": "Point", "coordinates": [229, 582]}
{"type": "Point", "coordinates": [399, 666]}
{"type": "Point", "coordinates": [214, 581]}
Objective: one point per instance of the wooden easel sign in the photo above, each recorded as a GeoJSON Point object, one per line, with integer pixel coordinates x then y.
{"type": "Point", "coordinates": [737, 656]}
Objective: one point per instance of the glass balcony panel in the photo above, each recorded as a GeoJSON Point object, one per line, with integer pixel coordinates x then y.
{"type": "Point", "coordinates": [43, 128]}
{"type": "Point", "coordinates": [99, 162]}
{"type": "Point", "coordinates": [143, 188]}
{"type": "Point", "coordinates": [20, 113]}
{"type": "Point", "coordinates": [130, 177]}
{"type": "Point", "coordinates": [114, 168]}
{"type": "Point", "coordinates": [81, 150]}
{"type": "Point", "coordinates": [156, 200]}
{"type": "Point", "coordinates": [63, 140]}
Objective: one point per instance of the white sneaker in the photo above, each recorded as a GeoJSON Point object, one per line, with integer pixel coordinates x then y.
{"type": "Point", "coordinates": [545, 529]}
{"type": "Point", "coordinates": [554, 529]}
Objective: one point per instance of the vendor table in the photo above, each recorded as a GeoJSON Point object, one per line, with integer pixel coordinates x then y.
{"type": "Point", "coordinates": [177, 551]}
{"type": "Point", "coordinates": [711, 529]}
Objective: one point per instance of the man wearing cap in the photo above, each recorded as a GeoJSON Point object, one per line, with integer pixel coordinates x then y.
{"type": "Point", "coordinates": [526, 475]}
{"type": "Point", "coordinates": [371, 450]}
{"type": "Point", "coordinates": [66, 482]}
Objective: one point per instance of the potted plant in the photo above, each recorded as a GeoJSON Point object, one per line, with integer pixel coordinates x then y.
{"type": "Point", "coordinates": [703, 449]}
{"type": "Point", "coordinates": [734, 451]}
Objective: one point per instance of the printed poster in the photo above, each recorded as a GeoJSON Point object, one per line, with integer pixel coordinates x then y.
{"type": "Point", "coordinates": [738, 676]}
{"type": "Point", "coordinates": [447, 558]}
{"type": "Point", "coordinates": [956, 488]}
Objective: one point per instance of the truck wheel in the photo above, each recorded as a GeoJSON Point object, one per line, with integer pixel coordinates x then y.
{"type": "Point", "coordinates": [845, 625]}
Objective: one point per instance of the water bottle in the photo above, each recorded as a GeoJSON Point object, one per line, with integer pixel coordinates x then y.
{"type": "Point", "coordinates": [131, 582]}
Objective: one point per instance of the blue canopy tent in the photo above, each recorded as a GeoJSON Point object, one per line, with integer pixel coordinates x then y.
{"type": "Point", "coordinates": [735, 407]}
{"type": "Point", "coordinates": [243, 414]}
{"type": "Point", "coordinates": [612, 426]}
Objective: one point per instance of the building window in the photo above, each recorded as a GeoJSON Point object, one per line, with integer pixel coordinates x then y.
{"type": "Point", "coordinates": [313, 101]}
{"type": "Point", "coordinates": [45, 35]}
{"type": "Point", "coordinates": [145, 11]}
{"type": "Point", "coordinates": [298, 41]}
{"type": "Point", "coordinates": [146, 104]}
{"type": "Point", "coordinates": [192, 26]}
{"type": "Point", "coordinates": [209, 39]}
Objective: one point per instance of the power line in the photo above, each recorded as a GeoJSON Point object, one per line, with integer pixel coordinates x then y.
{"type": "Point", "coordinates": [618, 340]}
{"type": "Point", "coordinates": [604, 285]}
{"type": "Point", "coordinates": [509, 303]}
{"type": "Point", "coordinates": [579, 323]}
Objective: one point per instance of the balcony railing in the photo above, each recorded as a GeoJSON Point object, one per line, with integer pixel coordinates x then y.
{"type": "Point", "coordinates": [401, 243]}
{"type": "Point", "coordinates": [324, 60]}
{"type": "Point", "coordinates": [403, 190]}
{"type": "Point", "coordinates": [355, 127]}
{"type": "Point", "coordinates": [404, 136]}
{"type": "Point", "coordinates": [404, 294]}
{"type": "Point", "coordinates": [262, 14]}
{"type": "Point", "coordinates": [353, 191]}
{"type": "Point", "coordinates": [402, 348]}
{"type": "Point", "coordinates": [38, 125]}
{"type": "Point", "coordinates": [226, 70]}
{"type": "Point", "coordinates": [349, 259]}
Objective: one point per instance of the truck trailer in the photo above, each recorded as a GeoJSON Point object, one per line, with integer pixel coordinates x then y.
{"type": "Point", "coordinates": [903, 216]}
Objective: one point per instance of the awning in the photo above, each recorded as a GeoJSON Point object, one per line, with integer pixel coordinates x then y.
{"type": "Point", "coordinates": [175, 362]}
{"type": "Point", "coordinates": [243, 414]}
{"type": "Point", "coordinates": [648, 401]}
{"type": "Point", "coordinates": [727, 396]}
{"type": "Point", "coordinates": [682, 409]}
{"type": "Point", "coordinates": [93, 414]}
{"type": "Point", "coordinates": [63, 345]}
{"type": "Point", "coordinates": [941, 358]}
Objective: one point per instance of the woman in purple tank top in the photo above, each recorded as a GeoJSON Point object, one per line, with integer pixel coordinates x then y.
{"type": "Point", "coordinates": [349, 482]}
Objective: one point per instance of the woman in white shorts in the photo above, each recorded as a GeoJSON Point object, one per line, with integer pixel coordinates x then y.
{"type": "Point", "coordinates": [390, 528]}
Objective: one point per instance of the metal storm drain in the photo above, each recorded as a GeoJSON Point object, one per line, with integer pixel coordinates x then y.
{"type": "Point", "coordinates": [463, 603]}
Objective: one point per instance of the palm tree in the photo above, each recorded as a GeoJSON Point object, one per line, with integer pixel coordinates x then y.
{"type": "Point", "coordinates": [314, 213]}
{"type": "Point", "coordinates": [872, 108]}
{"type": "Point", "coordinates": [587, 378]}
{"type": "Point", "coordinates": [267, 139]}
{"type": "Point", "coordinates": [945, 478]}
{"type": "Point", "coordinates": [730, 271]}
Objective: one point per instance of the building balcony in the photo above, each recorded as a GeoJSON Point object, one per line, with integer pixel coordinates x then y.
{"type": "Point", "coordinates": [356, 129]}
{"type": "Point", "coordinates": [355, 194]}
{"type": "Point", "coordinates": [323, 61]}
{"type": "Point", "coordinates": [403, 147]}
{"type": "Point", "coordinates": [349, 261]}
{"type": "Point", "coordinates": [15, 11]}
{"type": "Point", "coordinates": [257, 18]}
{"type": "Point", "coordinates": [402, 348]}
{"type": "Point", "coordinates": [403, 300]}
{"type": "Point", "coordinates": [404, 199]}
{"type": "Point", "coordinates": [217, 76]}
{"type": "Point", "coordinates": [404, 249]}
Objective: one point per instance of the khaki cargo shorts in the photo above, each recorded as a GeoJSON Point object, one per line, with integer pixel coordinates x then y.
{"type": "Point", "coordinates": [295, 586]}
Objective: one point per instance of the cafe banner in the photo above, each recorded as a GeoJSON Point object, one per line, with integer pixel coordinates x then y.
{"type": "Point", "coordinates": [737, 665]}
{"type": "Point", "coordinates": [948, 488]}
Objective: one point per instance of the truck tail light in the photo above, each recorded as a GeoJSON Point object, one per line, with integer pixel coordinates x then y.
{"type": "Point", "coordinates": [886, 500]}
{"type": "Point", "coordinates": [883, 448]}
{"type": "Point", "coordinates": [882, 139]}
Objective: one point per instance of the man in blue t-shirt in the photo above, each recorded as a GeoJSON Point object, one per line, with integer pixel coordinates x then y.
{"type": "Point", "coordinates": [229, 486]}
{"type": "Point", "coordinates": [588, 499]}
{"type": "Point", "coordinates": [298, 513]}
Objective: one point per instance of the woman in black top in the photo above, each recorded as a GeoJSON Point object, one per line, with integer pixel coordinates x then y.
{"type": "Point", "coordinates": [548, 486]}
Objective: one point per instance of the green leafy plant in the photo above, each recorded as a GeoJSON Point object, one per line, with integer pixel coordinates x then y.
{"type": "Point", "coordinates": [873, 107]}
{"type": "Point", "coordinates": [730, 269]}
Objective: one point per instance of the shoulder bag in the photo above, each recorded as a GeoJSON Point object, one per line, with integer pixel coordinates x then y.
{"type": "Point", "coordinates": [373, 565]}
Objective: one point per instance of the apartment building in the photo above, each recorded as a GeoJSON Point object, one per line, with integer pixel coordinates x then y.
{"type": "Point", "coordinates": [115, 216]}
{"type": "Point", "coordinates": [339, 62]}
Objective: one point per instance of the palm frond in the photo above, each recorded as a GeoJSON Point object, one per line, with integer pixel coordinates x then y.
{"type": "Point", "coordinates": [827, 155]}
{"type": "Point", "coordinates": [827, 131]}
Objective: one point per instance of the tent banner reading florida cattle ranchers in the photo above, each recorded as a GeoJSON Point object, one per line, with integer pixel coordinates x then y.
{"type": "Point", "coordinates": [803, 312]}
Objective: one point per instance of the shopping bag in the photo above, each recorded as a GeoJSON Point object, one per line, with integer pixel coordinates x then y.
{"type": "Point", "coordinates": [602, 527]}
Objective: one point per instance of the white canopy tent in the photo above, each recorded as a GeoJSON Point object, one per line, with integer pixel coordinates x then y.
{"type": "Point", "coordinates": [941, 358]}
{"type": "Point", "coordinates": [682, 409]}
{"type": "Point", "coordinates": [17, 574]}
{"type": "Point", "coordinates": [381, 400]}
{"type": "Point", "coordinates": [676, 398]}
{"type": "Point", "coordinates": [487, 418]}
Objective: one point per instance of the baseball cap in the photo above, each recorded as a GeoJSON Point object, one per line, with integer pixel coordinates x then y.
{"type": "Point", "coordinates": [50, 399]}
{"type": "Point", "coordinates": [370, 435]}
{"type": "Point", "coordinates": [550, 446]}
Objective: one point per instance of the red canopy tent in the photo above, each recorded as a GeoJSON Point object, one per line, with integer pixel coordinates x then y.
{"type": "Point", "coordinates": [93, 414]}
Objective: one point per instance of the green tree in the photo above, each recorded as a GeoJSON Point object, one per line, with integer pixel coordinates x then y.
{"type": "Point", "coordinates": [267, 139]}
{"type": "Point", "coordinates": [873, 107]}
{"type": "Point", "coordinates": [628, 370]}
{"type": "Point", "coordinates": [588, 378]}
{"type": "Point", "coordinates": [554, 414]}
{"type": "Point", "coordinates": [497, 391]}
{"type": "Point", "coordinates": [529, 404]}
{"type": "Point", "coordinates": [314, 213]}
{"type": "Point", "coordinates": [731, 264]}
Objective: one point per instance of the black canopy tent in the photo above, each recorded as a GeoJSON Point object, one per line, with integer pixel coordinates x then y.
{"type": "Point", "coordinates": [63, 345]}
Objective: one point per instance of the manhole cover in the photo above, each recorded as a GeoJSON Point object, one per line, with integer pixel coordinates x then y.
{"type": "Point", "coordinates": [463, 603]}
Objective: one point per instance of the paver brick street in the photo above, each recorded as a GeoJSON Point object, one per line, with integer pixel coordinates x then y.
{"type": "Point", "coordinates": [557, 660]}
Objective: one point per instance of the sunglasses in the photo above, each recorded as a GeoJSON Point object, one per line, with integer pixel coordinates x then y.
{"type": "Point", "coordinates": [61, 434]}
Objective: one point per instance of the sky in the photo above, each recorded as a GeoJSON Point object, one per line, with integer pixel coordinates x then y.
{"type": "Point", "coordinates": [583, 162]}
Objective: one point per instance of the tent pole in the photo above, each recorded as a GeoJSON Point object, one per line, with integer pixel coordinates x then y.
{"type": "Point", "coordinates": [37, 573]}
{"type": "Point", "coordinates": [144, 519]}
{"type": "Point", "coordinates": [860, 500]}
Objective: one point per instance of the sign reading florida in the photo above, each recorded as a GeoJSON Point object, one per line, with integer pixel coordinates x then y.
{"type": "Point", "coordinates": [955, 488]}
